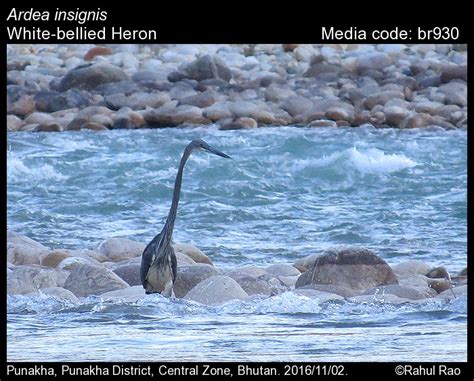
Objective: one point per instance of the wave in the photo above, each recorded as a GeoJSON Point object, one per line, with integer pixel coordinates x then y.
{"type": "Point", "coordinates": [17, 171]}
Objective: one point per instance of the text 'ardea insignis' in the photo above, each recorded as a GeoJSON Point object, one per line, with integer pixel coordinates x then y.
{"type": "Point", "coordinates": [158, 267]}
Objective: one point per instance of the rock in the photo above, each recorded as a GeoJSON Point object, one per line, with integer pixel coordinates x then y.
{"type": "Point", "coordinates": [247, 122]}
{"type": "Point", "coordinates": [216, 290]}
{"type": "Point", "coordinates": [277, 93]}
{"type": "Point", "coordinates": [202, 100]}
{"type": "Point", "coordinates": [88, 77]}
{"type": "Point", "coordinates": [395, 289]}
{"type": "Point", "coordinates": [129, 273]}
{"type": "Point", "coordinates": [450, 72]}
{"type": "Point", "coordinates": [53, 258]}
{"type": "Point", "coordinates": [60, 293]}
{"type": "Point", "coordinates": [217, 111]}
{"type": "Point", "coordinates": [288, 281]}
{"type": "Point", "coordinates": [72, 262]}
{"type": "Point", "coordinates": [306, 263]}
{"type": "Point", "coordinates": [97, 51]}
{"type": "Point", "coordinates": [165, 117]}
{"type": "Point", "coordinates": [189, 276]}
{"type": "Point", "coordinates": [296, 105]}
{"type": "Point", "coordinates": [394, 115]}
{"type": "Point", "coordinates": [416, 121]}
{"type": "Point", "coordinates": [438, 272]}
{"type": "Point", "coordinates": [30, 278]}
{"type": "Point", "coordinates": [411, 267]}
{"type": "Point", "coordinates": [22, 250]}
{"type": "Point", "coordinates": [51, 127]}
{"type": "Point", "coordinates": [249, 270]}
{"type": "Point", "coordinates": [118, 249]}
{"type": "Point", "coordinates": [419, 283]}
{"type": "Point", "coordinates": [137, 100]}
{"type": "Point", "coordinates": [52, 101]}
{"type": "Point", "coordinates": [254, 285]}
{"type": "Point", "coordinates": [282, 269]}
{"type": "Point", "coordinates": [382, 97]}
{"type": "Point", "coordinates": [183, 259]}
{"type": "Point", "coordinates": [323, 70]}
{"type": "Point", "coordinates": [87, 280]}
{"type": "Point", "coordinates": [23, 106]}
{"type": "Point", "coordinates": [340, 113]}
{"type": "Point", "coordinates": [376, 298]}
{"type": "Point", "coordinates": [322, 296]}
{"type": "Point", "coordinates": [429, 107]}
{"type": "Point", "coordinates": [205, 67]}
{"type": "Point", "coordinates": [129, 294]}
{"type": "Point", "coordinates": [193, 252]}
{"type": "Point", "coordinates": [14, 123]}
{"type": "Point", "coordinates": [449, 295]}
{"type": "Point", "coordinates": [322, 123]}
{"type": "Point", "coordinates": [40, 118]}
{"type": "Point", "coordinates": [93, 126]}
{"type": "Point", "coordinates": [370, 61]}
{"type": "Point", "coordinates": [439, 285]}
{"type": "Point", "coordinates": [234, 126]}
{"type": "Point", "coordinates": [343, 291]}
{"type": "Point", "coordinates": [355, 268]}
{"type": "Point", "coordinates": [455, 93]}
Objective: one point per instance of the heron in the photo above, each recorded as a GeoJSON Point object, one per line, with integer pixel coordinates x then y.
{"type": "Point", "coordinates": [159, 266]}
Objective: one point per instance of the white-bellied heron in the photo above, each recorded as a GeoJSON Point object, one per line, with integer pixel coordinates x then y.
{"type": "Point", "coordinates": [159, 265]}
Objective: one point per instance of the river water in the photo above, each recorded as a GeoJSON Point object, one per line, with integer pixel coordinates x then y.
{"type": "Point", "coordinates": [287, 193]}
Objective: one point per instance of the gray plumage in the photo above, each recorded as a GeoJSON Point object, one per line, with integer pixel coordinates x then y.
{"type": "Point", "coordinates": [159, 266]}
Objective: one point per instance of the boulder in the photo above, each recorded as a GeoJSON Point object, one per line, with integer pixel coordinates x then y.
{"type": "Point", "coordinates": [216, 290]}
{"type": "Point", "coordinates": [118, 249]}
{"type": "Point", "coordinates": [254, 285]}
{"type": "Point", "coordinates": [419, 283]}
{"type": "Point", "coordinates": [411, 267]}
{"type": "Point", "coordinates": [53, 101]}
{"type": "Point", "coordinates": [22, 250]}
{"type": "Point", "coordinates": [189, 276]}
{"type": "Point", "coordinates": [60, 293]}
{"type": "Point", "coordinates": [87, 280]}
{"type": "Point", "coordinates": [322, 296]}
{"type": "Point", "coordinates": [129, 273]}
{"type": "Point", "coordinates": [14, 123]}
{"type": "Point", "coordinates": [248, 270]}
{"type": "Point", "coordinates": [296, 105]}
{"type": "Point", "coordinates": [70, 263]}
{"type": "Point", "coordinates": [30, 278]}
{"type": "Point", "coordinates": [354, 268]}
{"type": "Point", "coordinates": [137, 100]}
{"type": "Point", "coordinates": [193, 252]}
{"type": "Point", "coordinates": [382, 97]}
{"type": "Point", "coordinates": [306, 263]}
{"type": "Point", "coordinates": [183, 259]}
{"type": "Point", "coordinates": [344, 291]}
{"type": "Point", "coordinates": [88, 77]}
{"type": "Point", "coordinates": [455, 93]}
{"type": "Point", "coordinates": [202, 68]}
{"type": "Point", "coordinates": [53, 258]}
{"type": "Point", "coordinates": [282, 269]}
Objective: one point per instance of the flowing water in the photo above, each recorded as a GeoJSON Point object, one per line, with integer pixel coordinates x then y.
{"type": "Point", "coordinates": [287, 193]}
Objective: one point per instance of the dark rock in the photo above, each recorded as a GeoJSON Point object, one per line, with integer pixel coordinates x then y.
{"type": "Point", "coordinates": [90, 76]}
{"type": "Point", "coordinates": [50, 127]}
{"type": "Point", "coordinates": [205, 67]}
{"type": "Point", "coordinates": [357, 269]}
{"type": "Point", "coordinates": [129, 273]}
{"type": "Point", "coordinates": [52, 101]}
{"type": "Point", "coordinates": [450, 72]}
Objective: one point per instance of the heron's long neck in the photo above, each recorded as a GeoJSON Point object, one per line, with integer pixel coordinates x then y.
{"type": "Point", "coordinates": [169, 225]}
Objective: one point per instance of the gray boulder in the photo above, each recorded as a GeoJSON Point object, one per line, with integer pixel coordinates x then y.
{"type": "Point", "coordinates": [191, 275]}
{"type": "Point", "coordinates": [118, 249]}
{"type": "Point", "coordinates": [90, 76]}
{"type": "Point", "coordinates": [296, 105]}
{"type": "Point", "coordinates": [26, 279]}
{"type": "Point", "coordinates": [216, 290]}
{"type": "Point", "coordinates": [129, 273]}
{"type": "Point", "coordinates": [192, 252]}
{"type": "Point", "coordinates": [354, 268]}
{"type": "Point", "coordinates": [22, 250]}
{"type": "Point", "coordinates": [87, 280]}
{"type": "Point", "coordinates": [395, 289]}
{"type": "Point", "coordinates": [202, 68]}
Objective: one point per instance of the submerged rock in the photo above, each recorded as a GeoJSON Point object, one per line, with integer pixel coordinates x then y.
{"type": "Point", "coordinates": [60, 293]}
{"type": "Point", "coordinates": [395, 289]}
{"type": "Point", "coordinates": [130, 294]}
{"type": "Point", "coordinates": [216, 290]}
{"type": "Point", "coordinates": [357, 269]}
{"type": "Point", "coordinates": [87, 280]}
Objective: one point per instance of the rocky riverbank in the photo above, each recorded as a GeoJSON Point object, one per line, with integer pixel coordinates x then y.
{"type": "Point", "coordinates": [111, 271]}
{"type": "Point", "coordinates": [87, 87]}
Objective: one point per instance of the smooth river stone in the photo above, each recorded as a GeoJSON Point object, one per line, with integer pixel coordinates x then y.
{"type": "Point", "coordinates": [216, 290]}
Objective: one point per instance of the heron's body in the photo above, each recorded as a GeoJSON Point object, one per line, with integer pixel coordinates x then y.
{"type": "Point", "coordinates": [159, 266]}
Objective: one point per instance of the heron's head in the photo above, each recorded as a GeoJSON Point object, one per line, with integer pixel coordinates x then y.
{"type": "Point", "coordinates": [202, 145]}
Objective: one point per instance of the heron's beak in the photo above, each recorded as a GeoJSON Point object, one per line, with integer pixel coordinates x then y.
{"type": "Point", "coordinates": [217, 152]}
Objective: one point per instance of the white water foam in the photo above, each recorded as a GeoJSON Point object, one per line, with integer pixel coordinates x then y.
{"type": "Point", "coordinates": [17, 171]}
{"type": "Point", "coordinates": [375, 161]}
